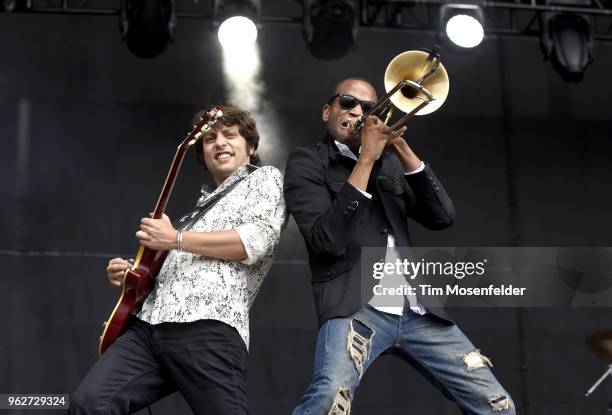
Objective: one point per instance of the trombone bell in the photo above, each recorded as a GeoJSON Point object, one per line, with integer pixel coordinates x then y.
{"type": "Point", "coordinates": [412, 66]}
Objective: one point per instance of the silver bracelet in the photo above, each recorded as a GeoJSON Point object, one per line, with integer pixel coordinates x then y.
{"type": "Point", "coordinates": [179, 241]}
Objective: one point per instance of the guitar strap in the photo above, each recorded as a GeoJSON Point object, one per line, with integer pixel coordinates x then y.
{"type": "Point", "coordinates": [192, 217]}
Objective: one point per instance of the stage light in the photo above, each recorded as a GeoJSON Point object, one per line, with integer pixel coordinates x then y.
{"type": "Point", "coordinates": [244, 85]}
{"type": "Point", "coordinates": [330, 27]}
{"type": "Point", "coordinates": [462, 24]}
{"type": "Point", "coordinates": [237, 20]}
{"type": "Point", "coordinates": [237, 35]}
{"type": "Point", "coordinates": [16, 5]}
{"type": "Point", "coordinates": [567, 40]}
{"type": "Point", "coordinates": [464, 31]}
{"type": "Point", "coordinates": [237, 32]}
{"type": "Point", "coordinates": [147, 26]}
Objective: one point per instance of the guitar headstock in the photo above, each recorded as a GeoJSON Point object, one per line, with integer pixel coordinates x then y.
{"type": "Point", "coordinates": [207, 120]}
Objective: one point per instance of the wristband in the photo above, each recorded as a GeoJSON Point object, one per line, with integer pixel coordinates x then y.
{"type": "Point", "coordinates": [179, 241]}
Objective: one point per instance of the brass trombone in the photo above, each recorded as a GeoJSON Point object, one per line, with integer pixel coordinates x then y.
{"type": "Point", "coordinates": [416, 83]}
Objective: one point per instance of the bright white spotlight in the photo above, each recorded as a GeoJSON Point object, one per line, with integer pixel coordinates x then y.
{"type": "Point", "coordinates": [237, 32]}
{"type": "Point", "coordinates": [464, 31]}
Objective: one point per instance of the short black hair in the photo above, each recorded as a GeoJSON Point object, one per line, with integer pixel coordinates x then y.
{"type": "Point", "coordinates": [336, 87]}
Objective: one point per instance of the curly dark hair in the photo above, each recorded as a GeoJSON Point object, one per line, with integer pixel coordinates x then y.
{"type": "Point", "coordinates": [232, 116]}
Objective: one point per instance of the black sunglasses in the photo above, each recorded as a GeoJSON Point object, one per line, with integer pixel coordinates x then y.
{"type": "Point", "coordinates": [349, 102]}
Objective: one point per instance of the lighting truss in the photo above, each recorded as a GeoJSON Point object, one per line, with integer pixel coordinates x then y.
{"type": "Point", "coordinates": [503, 18]}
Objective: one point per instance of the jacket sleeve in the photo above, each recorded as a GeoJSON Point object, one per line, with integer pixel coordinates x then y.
{"type": "Point", "coordinates": [431, 206]}
{"type": "Point", "coordinates": [326, 220]}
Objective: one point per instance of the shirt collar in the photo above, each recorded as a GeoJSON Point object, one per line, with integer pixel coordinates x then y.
{"type": "Point", "coordinates": [238, 174]}
{"type": "Point", "coordinates": [345, 150]}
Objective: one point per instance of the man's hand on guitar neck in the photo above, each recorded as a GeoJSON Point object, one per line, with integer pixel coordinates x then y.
{"type": "Point", "coordinates": [157, 234]}
{"type": "Point", "coordinates": [115, 270]}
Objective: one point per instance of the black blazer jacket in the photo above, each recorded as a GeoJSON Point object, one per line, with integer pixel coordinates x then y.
{"type": "Point", "coordinates": [337, 220]}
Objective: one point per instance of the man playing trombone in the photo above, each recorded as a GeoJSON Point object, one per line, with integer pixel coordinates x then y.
{"type": "Point", "coordinates": [347, 193]}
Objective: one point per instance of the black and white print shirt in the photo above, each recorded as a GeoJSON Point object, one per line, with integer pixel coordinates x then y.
{"type": "Point", "coordinates": [192, 287]}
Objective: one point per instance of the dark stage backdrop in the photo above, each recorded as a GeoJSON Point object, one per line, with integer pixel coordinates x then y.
{"type": "Point", "coordinates": [88, 131]}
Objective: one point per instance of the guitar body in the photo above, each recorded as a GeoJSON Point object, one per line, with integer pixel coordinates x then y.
{"type": "Point", "coordinates": [139, 280]}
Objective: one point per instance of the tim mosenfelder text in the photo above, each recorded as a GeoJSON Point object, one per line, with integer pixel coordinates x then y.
{"type": "Point", "coordinates": [425, 268]}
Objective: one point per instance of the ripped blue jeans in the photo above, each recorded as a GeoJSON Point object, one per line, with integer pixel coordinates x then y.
{"type": "Point", "coordinates": [347, 346]}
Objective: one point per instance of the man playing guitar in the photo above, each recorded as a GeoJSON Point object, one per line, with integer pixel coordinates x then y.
{"type": "Point", "coordinates": [192, 333]}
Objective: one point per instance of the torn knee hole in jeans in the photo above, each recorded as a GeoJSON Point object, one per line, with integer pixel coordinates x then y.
{"type": "Point", "coordinates": [342, 403]}
{"type": "Point", "coordinates": [476, 360]}
{"type": "Point", "coordinates": [358, 344]}
{"type": "Point", "coordinates": [499, 402]}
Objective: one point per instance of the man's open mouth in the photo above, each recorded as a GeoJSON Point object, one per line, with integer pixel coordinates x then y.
{"type": "Point", "coordinates": [223, 156]}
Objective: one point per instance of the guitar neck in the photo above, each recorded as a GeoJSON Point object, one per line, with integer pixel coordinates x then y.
{"type": "Point", "coordinates": [164, 196]}
{"type": "Point", "coordinates": [146, 256]}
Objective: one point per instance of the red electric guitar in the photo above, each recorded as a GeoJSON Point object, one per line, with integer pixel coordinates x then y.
{"type": "Point", "coordinates": [138, 281]}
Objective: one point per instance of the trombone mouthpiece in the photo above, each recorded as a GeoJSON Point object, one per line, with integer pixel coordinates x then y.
{"type": "Point", "coordinates": [355, 125]}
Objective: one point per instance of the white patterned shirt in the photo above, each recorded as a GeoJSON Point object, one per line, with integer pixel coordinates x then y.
{"type": "Point", "coordinates": [192, 287]}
